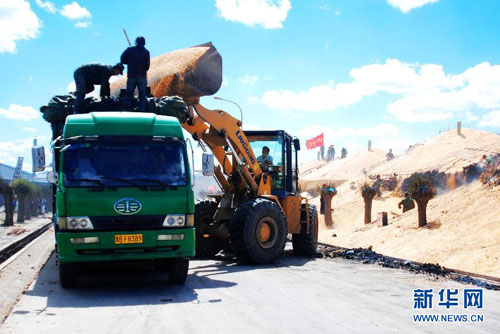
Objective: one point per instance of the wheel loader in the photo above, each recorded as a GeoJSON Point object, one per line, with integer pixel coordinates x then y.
{"type": "Point", "coordinates": [261, 202]}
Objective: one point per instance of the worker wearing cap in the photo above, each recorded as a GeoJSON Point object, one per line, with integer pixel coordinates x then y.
{"type": "Point", "coordinates": [137, 60]}
{"type": "Point", "coordinates": [86, 76]}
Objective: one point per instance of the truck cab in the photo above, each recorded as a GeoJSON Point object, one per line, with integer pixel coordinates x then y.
{"type": "Point", "coordinates": [123, 192]}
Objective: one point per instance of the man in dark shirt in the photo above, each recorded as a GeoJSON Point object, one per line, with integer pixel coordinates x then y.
{"type": "Point", "coordinates": [86, 76]}
{"type": "Point", "coordinates": [407, 203]}
{"type": "Point", "coordinates": [137, 60]}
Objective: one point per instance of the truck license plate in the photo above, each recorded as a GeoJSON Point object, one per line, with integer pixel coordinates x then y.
{"type": "Point", "coordinates": [128, 239]}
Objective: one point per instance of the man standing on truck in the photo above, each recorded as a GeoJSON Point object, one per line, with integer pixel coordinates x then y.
{"type": "Point", "coordinates": [86, 76]}
{"type": "Point", "coordinates": [137, 60]}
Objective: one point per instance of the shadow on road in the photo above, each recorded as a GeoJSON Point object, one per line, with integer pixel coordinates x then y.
{"type": "Point", "coordinates": [122, 284]}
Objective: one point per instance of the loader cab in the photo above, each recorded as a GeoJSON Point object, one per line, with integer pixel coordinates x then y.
{"type": "Point", "coordinates": [283, 150]}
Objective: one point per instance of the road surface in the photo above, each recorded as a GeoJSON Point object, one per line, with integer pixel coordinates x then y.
{"type": "Point", "coordinates": [296, 295]}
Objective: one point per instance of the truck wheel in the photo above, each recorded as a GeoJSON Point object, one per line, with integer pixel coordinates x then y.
{"type": "Point", "coordinates": [258, 231]}
{"type": "Point", "coordinates": [67, 275]}
{"type": "Point", "coordinates": [207, 245]}
{"type": "Point", "coordinates": [306, 243]}
{"type": "Point", "coordinates": [177, 271]}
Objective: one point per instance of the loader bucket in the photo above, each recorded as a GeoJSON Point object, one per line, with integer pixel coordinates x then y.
{"type": "Point", "coordinates": [188, 73]}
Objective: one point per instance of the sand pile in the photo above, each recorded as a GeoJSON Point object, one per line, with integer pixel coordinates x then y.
{"type": "Point", "coordinates": [191, 72]}
{"type": "Point", "coordinates": [463, 229]}
{"type": "Point", "coordinates": [462, 232]}
{"type": "Point", "coordinates": [336, 172]}
{"type": "Point", "coordinates": [447, 152]}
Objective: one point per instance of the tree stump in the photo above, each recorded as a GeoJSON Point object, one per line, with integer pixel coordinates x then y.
{"type": "Point", "coordinates": [328, 196]}
{"type": "Point", "coordinates": [368, 194]}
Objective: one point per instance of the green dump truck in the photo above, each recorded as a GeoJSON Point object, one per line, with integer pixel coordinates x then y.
{"type": "Point", "coordinates": [123, 192]}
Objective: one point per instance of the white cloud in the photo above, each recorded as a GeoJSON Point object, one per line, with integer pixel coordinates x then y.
{"type": "Point", "coordinates": [12, 149]}
{"type": "Point", "coordinates": [18, 112]}
{"type": "Point", "coordinates": [491, 119]}
{"type": "Point", "coordinates": [269, 14]}
{"type": "Point", "coordinates": [470, 117]}
{"type": "Point", "coordinates": [17, 22]}
{"type": "Point", "coordinates": [225, 81]}
{"type": "Point", "coordinates": [324, 6]}
{"type": "Point", "coordinates": [423, 93]}
{"type": "Point", "coordinates": [84, 24]}
{"type": "Point", "coordinates": [407, 5]}
{"type": "Point", "coordinates": [74, 11]}
{"type": "Point", "coordinates": [378, 131]}
{"type": "Point", "coordinates": [248, 79]}
{"type": "Point", "coordinates": [27, 129]}
{"type": "Point", "coordinates": [47, 5]}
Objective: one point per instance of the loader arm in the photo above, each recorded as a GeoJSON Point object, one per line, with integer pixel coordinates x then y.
{"type": "Point", "coordinates": [218, 129]}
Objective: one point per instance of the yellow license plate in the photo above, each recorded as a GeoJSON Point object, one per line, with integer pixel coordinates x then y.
{"type": "Point", "coordinates": [128, 239]}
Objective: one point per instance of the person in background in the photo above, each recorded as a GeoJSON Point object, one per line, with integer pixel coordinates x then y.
{"type": "Point", "coordinates": [137, 59]}
{"type": "Point", "coordinates": [322, 151]}
{"type": "Point", "coordinates": [407, 203]}
{"type": "Point", "coordinates": [389, 155]}
{"type": "Point", "coordinates": [86, 76]}
{"type": "Point", "coordinates": [343, 153]}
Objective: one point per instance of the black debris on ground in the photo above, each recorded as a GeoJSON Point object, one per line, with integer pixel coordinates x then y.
{"type": "Point", "coordinates": [367, 256]}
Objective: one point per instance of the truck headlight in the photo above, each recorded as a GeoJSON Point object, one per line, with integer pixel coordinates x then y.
{"type": "Point", "coordinates": [174, 221]}
{"type": "Point", "coordinates": [78, 223]}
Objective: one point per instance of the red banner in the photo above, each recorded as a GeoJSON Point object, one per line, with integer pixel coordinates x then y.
{"type": "Point", "coordinates": [315, 142]}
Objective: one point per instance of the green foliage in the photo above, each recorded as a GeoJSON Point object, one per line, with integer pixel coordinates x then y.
{"type": "Point", "coordinates": [367, 189]}
{"type": "Point", "coordinates": [420, 187]}
{"type": "Point", "coordinates": [23, 187]}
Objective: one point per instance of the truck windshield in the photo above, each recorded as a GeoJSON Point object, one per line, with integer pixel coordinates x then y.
{"type": "Point", "coordinates": [124, 165]}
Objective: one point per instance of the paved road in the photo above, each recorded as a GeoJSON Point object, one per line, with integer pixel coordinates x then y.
{"type": "Point", "coordinates": [294, 296]}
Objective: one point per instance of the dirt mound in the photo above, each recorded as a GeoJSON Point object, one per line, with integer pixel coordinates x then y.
{"type": "Point", "coordinates": [447, 152]}
{"type": "Point", "coordinates": [462, 232]}
{"type": "Point", "coordinates": [463, 229]}
{"type": "Point", "coordinates": [338, 171]}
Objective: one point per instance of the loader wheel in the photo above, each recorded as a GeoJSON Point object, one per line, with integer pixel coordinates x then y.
{"type": "Point", "coordinates": [258, 231]}
{"type": "Point", "coordinates": [304, 243]}
{"type": "Point", "coordinates": [207, 245]}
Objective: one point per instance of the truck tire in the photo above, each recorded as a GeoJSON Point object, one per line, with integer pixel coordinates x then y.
{"type": "Point", "coordinates": [258, 231]}
{"type": "Point", "coordinates": [67, 275]}
{"type": "Point", "coordinates": [177, 270]}
{"type": "Point", "coordinates": [304, 243]}
{"type": "Point", "coordinates": [207, 246]}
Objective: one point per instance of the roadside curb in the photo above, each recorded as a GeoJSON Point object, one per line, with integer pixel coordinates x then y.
{"type": "Point", "coordinates": [368, 256]}
{"type": "Point", "coordinates": [9, 250]}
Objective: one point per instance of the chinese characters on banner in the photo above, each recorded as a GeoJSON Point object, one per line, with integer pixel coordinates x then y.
{"type": "Point", "coordinates": [315, 142]}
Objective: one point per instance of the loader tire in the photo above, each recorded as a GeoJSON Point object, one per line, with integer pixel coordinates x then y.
{"type": "Point", "coordinates": [304, 243]}
{"type": "Point", "coordinates": [258, 231]}
{"type": "Point", "coordinates": [207, 246]}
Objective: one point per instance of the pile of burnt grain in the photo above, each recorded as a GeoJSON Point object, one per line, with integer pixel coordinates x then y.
{"type": "Point", "coordinates": [367, 256]}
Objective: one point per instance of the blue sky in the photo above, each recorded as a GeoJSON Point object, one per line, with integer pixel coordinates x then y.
{"type": "Point", "coordinates": [393, 71]}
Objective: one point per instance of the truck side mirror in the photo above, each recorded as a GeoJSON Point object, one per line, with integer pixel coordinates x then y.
{"type": "Point", "coordinates": [296, 144]}
{"type": "Point", "coordinates": [52, 177]}
{"type": "Point", "coordinates": [208, 167]}
{"type": "Point", "coordinates": [38, 156]}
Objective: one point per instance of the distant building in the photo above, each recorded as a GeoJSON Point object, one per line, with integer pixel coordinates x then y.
{"type": "Point", "coordinates": [6, 173]}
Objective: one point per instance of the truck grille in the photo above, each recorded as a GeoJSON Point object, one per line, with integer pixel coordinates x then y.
{"type": "Point", "coordinates": [116, 223]}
